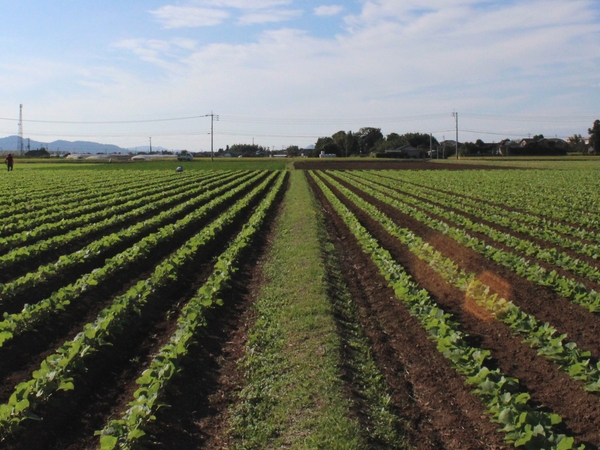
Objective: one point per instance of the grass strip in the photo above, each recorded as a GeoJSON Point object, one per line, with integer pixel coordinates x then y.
{"type": "Point", "coordinates": [294, 395]}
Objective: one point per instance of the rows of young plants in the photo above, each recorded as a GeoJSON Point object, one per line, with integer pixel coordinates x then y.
{"type": "Point", "coordinates": [26, 198]}
{"type": "Point", "coordinates": [542, 336]}
{"type": "Point", "coordinates": [166, 246]}
{"type": "Point", "coordinates": [569, 196]}
{"type": "Point", "coordinates": [191, 198]}
{"type": "Point", "coordinates": [506, 400]}
{"type": "Point", "coordinates": [56, 217]}
{"type": "Point", "coordinates": [33, 314]}
{"type": "Point", "coordinates": [119, 216]}
{"type": "Point", "coordinates": [451, 209]}
{"type": "Point", "coordinates": [196, 213]}
{"type": "Point", "coordinates": [520, 221]}
{"type": "Point", "coordinates": [458, 227]}
{"type": "Point", "coordinates": [123, 433]}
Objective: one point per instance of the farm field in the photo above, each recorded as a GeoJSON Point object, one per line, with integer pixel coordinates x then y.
{"type": "Point", "coordinates": [333, 304]}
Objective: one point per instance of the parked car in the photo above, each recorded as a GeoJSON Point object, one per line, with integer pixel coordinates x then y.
{"type": "Point", "coordinates": [185, 157]}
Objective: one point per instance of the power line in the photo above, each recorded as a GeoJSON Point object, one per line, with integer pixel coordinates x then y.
{"type": "Point", "coordinates": [527, 118]}
{"type": "Point", "coordinates": [106, 122]}
{"type": "Point", "coordinates": [322, 120]}
{"type": "Point", "coordinates": [109, 135]}
{"type": "Point", "coordinates": [300, 120]}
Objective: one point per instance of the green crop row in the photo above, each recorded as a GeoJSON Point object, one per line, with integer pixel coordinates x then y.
{"type": "Point", "coordinates": [14, 324]}
{"type": "Point", "coordinates": [111, 207]}
{"type": "Point", "coordinates": [544, 193]}
{"type": "Point", "coordinates": [507, 404]}
{"type": "Point", "coordinates": [199, 194]}
{"type": "Point", "coordinates": [57, 370]}
{"type": "Point", "coordinates": [69, 192]}
{"type": "Point", "coordinates": [57, 217]}
{"type": "Point", "coordinates": [567, 287]}
{"type": "Point", "coordinates": [548, 255]}
{"type": "Point", "coordinates": [541, 336]}
{"type": "Point", "coordinates": [544, 229]}
{"type": "Point", "coordinates": [124, 432]}
{"type": "Point", "coordinates": [22, 254]}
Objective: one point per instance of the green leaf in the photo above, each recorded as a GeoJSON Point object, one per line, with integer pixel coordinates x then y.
{"type": "Point", "coordinates": [66, 386]}
{"type": "Point", "coordinates": [135, 434]}
{"type": "Point", "coordinates": [22, 405]}
{"type": "Point", "coordinates": [90, 333]}
{"type": "Point", "coordinates": [4, 336]}
{"type": "Point", "coordinates": [108, 442]}
{"type": "Point", "coordinates": [565, 443]}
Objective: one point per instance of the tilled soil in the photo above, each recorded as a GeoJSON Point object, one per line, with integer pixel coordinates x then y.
{"type": "Point", "coordinates": [400, 164]}
{"type": "Point", "coordinates": [108, 382]}
{"type": "Point", "coordinates": [548, 385]}
{"type": "Point", "coordinates": [443, 414]}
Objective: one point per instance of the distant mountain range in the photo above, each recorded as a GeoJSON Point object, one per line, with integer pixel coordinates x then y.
{"type": "Point", "coordinates": [11, 143]}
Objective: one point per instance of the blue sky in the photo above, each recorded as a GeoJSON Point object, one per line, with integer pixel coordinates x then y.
{"type": "Point", "coordinates": [284, 72]}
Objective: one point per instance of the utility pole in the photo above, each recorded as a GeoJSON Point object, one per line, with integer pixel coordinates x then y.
{"type": "Point", "coordinates": [150, 145]}
{"type": "Point", "coordinates": [455, 114]}
{"type": "Point", "coordinates": [444, 148]}
{"type": "Point", "coordinates": [430, 146]}
{"type": "Point", "coordinates": [20, 139]}
{"type": "Point", "coordinates": [212, 119]}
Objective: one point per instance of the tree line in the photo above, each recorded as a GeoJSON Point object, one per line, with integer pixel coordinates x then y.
{"type": "Point", "coordinates": [369, 140]}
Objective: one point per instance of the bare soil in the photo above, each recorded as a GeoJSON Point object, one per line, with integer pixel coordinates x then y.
{"type": "Point", "coordinates": [399, 164]}
{"type": "Point", "coordinates": [548, 385]}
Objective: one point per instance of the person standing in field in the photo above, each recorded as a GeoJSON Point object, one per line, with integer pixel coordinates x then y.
{"type": "Point", "coordinates": [9, 162]}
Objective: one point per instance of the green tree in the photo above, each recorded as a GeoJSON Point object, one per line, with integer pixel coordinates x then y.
{"type": "Point", "coordinates": [368, 137]}
{"type": "Point", "coordinates": [246, 149]}
{"type": "Point", "coordinates": [420, 140]}
{"type": "Point", "coordinates": [292, 151]}
{"type": "Point", "coordinates": [326, 145]}
{"type": "Point", "coordinates": [394, 140]}
{"type": "Point", "coordinates": [347, 142]}
{"type": "Point", "coordinates": [391, 142]}
{"type": "Point", "coordinates": [595, 135]}
{"type": "Point", "coordinates": [576, 143]}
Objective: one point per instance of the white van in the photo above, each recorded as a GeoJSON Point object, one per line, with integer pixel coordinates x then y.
{"type": "Point", "coordinates": [185, 157]}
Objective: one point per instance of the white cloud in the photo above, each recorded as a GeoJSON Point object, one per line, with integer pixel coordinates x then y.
{"type": "Point", "coordinates": [246, 4]}
{"type": "Point", "coordinates": [328, 10]}
{"type": "Point", "coordinates": [163, 53]}
{"type": "Point", "coordinates": [189, 16]}
{"type": "Point", "coordinates": [269, 16]}
{"type": "Point", "coordinates": [215, 12]}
